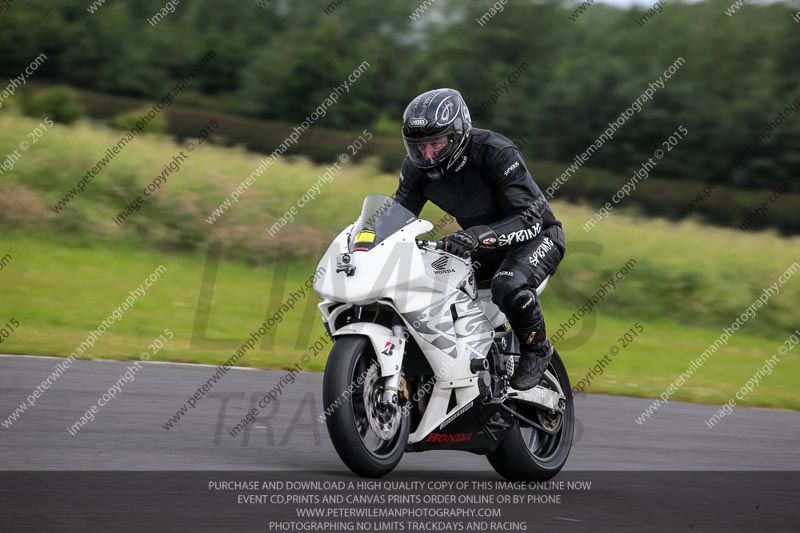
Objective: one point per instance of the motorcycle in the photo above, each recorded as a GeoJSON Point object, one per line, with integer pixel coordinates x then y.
{"type": "Point", "coordinates": [422, 358]}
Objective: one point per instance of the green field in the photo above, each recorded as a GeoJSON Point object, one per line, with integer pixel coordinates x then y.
{"type": "Point", "coordinates": [59, 294]}
{"type": "Point", "coordinates": [69, 271]}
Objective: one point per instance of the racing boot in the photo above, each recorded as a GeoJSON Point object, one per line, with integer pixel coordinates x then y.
{"type": "Point", "coordinates": [535, 353]}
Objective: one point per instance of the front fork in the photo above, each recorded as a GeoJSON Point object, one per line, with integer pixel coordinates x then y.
{"type": "Point", "coordinates": [391, 383]}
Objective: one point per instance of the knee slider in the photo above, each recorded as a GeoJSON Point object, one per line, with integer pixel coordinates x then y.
{"type": "Point", "coordinates": [524, 308]}
{"type": "Point", "coordinates": [503, 287]}
{"type": "Point", "coordinates": [522, 301]}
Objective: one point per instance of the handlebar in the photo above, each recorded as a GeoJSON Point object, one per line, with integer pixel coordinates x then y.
{"type": "Point", "coordinates": [436, 246]}
{"type": "Point", "coordinates": [429, 245]}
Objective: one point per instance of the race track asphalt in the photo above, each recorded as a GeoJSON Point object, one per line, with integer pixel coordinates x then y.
{"type": "Point", "coordinates": [670, 473]}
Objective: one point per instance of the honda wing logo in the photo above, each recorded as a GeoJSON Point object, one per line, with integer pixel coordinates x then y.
{"type": "Point", "coordinates": [439, 266]}
{"type": "Point", "coordinates": [439, 263]}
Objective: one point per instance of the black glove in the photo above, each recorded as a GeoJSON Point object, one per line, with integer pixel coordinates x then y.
{"type": "Point", "coordinates": [463, 242]}
{"type": "Point", "coordinates": [460, 243]}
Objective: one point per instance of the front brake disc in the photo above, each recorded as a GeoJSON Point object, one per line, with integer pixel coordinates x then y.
{"type": "Point", "coordinates": [384, 421]}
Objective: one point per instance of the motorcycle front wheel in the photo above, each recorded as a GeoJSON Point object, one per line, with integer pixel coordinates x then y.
{"type": "Point", "coordinates": [369, 438]}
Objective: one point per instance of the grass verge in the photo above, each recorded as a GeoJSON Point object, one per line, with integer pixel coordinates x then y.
{"type": "Point", "coordinates": [59, 293]}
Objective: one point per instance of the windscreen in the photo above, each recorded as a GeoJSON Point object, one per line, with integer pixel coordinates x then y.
{"type": "Point", "coordinates": [380, 218]}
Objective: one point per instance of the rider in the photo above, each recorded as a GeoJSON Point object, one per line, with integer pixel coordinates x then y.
{"type": "Point", "coordinates": [478, 176]}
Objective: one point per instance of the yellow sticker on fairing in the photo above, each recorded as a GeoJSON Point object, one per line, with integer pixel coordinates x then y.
{"type": "Point", "coordinates": [365, 236]}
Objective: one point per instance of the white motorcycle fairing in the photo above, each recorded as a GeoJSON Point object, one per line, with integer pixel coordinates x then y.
{"type": "Point", "coordinates": [434, 294]}
{"type": "Point", "coordinates": [421, 286]}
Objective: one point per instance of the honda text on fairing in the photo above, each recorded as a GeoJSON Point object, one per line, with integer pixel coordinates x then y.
{"type": "Point", "coordinates": [422, 357]}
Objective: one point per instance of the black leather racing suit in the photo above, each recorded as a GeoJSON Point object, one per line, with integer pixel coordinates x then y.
{"type": "Point", "coordinates": [491, 186]}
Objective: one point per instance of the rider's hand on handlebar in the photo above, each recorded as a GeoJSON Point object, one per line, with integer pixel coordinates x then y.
{"type": "Point", "coordinates": [460, 243]}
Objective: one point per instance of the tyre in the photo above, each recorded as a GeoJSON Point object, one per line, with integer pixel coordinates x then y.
{"type": "Point", "coordinates": [530, 454]}
{"type": "Point", "coordinates": [369, 439]}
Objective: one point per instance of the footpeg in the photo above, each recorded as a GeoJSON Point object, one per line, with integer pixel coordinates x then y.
{"type": "Point", "coordinates": [479, 364]}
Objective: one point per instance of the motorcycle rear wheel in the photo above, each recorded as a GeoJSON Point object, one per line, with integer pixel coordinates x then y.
{"type": "Point", "coordinates": [529, 454]}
